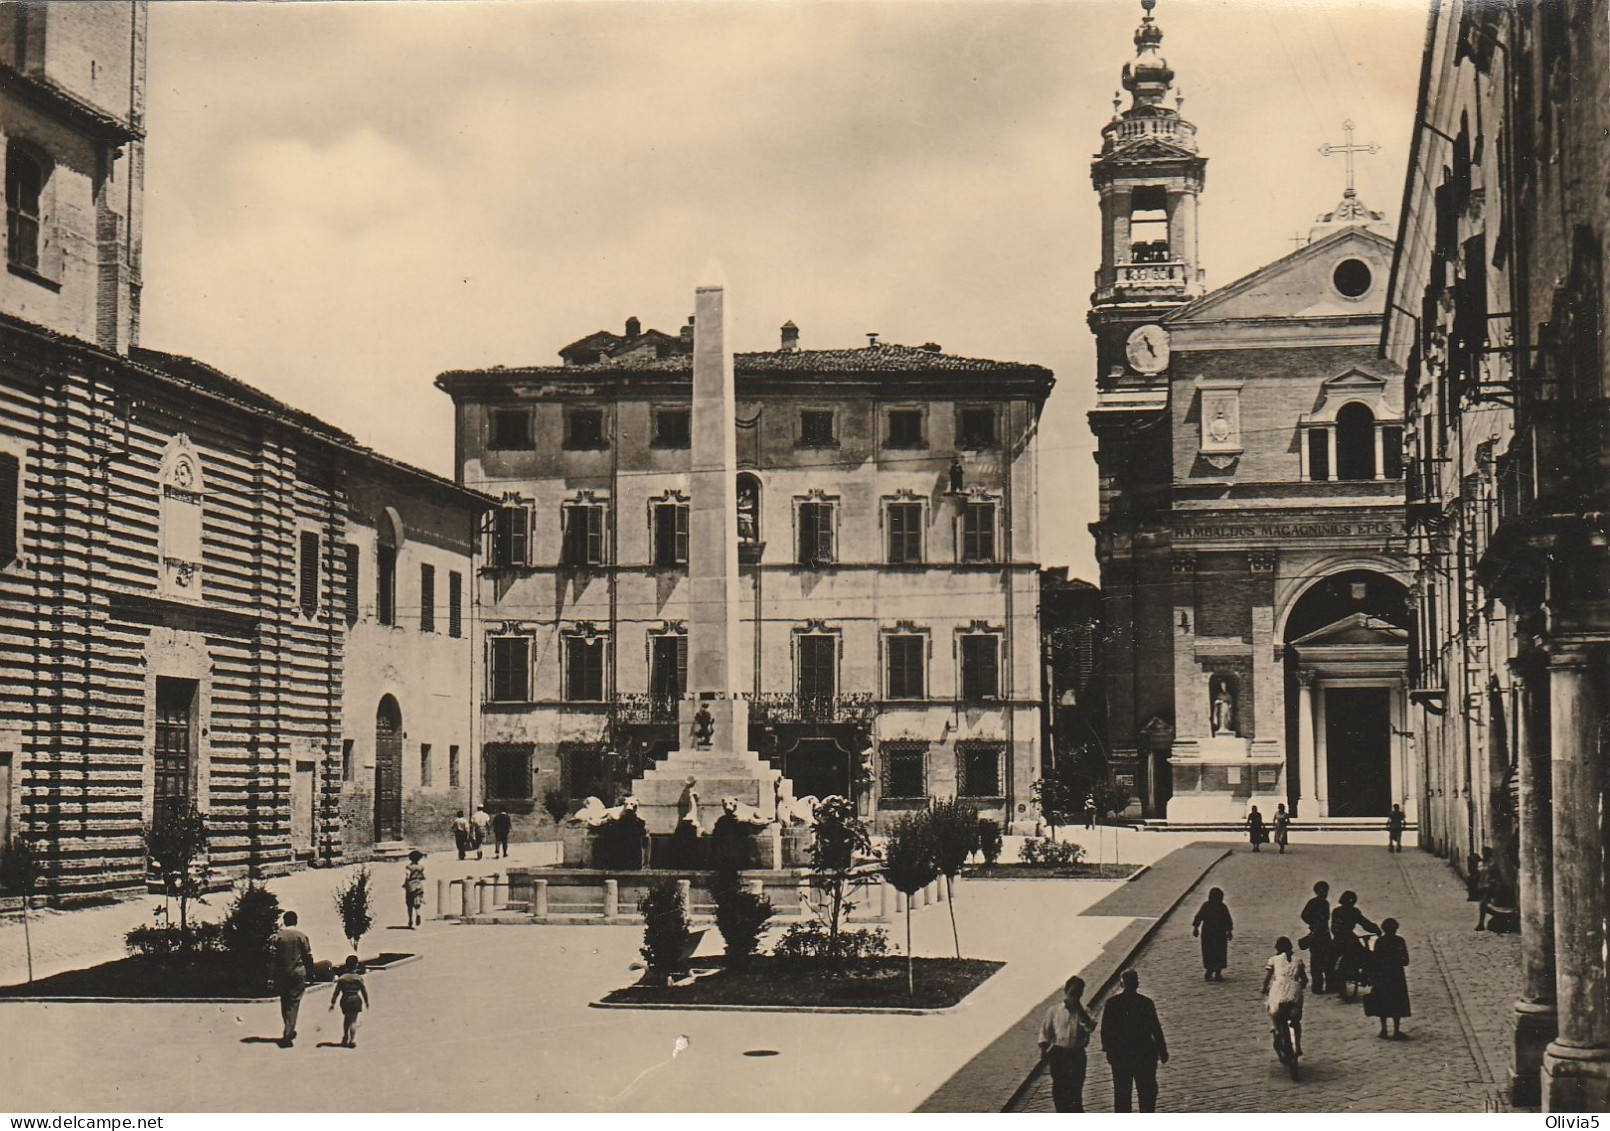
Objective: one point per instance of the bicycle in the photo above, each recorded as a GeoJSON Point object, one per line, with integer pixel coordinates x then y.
{"type": "Point", "coordinates": [1353, 969]}
{"type": "Point", "coordinates": [1285, 1050]}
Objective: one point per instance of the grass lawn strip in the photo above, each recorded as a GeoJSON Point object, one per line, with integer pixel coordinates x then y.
{"type": "Point", "coordinates": [200, 978]}
{"type": "Point", "coordinates": [878, 982]}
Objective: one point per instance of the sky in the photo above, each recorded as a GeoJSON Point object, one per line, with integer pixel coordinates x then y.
{"type": "Point", "coordinates": [345, 199]}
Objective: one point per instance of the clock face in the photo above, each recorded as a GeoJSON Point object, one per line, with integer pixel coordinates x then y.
{"type": "Point", "coordinates": [1147, 349]}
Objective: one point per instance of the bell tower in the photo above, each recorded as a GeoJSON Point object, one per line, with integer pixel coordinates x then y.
{"type": "Point", "coordinates": [1149, 176]}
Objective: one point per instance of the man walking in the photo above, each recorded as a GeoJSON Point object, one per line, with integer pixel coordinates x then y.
{"type": "Point", "coordinates": [461, 832]}
{"type": "Point", "coordinates": [501, 824]}
{"type": "Point", "coordinates": [290, 966]}
{"type": "Point", "coordinates": [1395, 821]}
{"type": "Point", "coordinates": [1090, 812]}
{"type": "Point", "coordinates": [1132, 1038]}
{"type": "Point", "coordinates": [1317, 942]}
{"type": "Point", "coordinates": [1064, 1036]}
{"type": "Point", "coordinates": [480, 826]}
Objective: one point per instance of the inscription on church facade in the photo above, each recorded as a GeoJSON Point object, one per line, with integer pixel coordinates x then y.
{"type": "Point", "coordinates": [1220, 532]}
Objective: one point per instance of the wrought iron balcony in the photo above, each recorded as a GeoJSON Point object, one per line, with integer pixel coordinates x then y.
{"type": "Point", "coordinates": [637, 707]}
{"type": "Point", "coordinates": [775, 708]}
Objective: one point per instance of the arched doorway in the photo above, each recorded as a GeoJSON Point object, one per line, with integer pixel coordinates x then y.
{"type": "Point", "coordinates": [1346, 654]}
{"type": "Point", "coordinates": [388, 770]}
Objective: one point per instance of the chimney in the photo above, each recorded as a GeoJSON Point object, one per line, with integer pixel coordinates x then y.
{"type": "Point", "coordinates": [686, 333]}
{"type": "Point", "coordinates": [931, 347]}
{"type": "Point", "coordinates": [633, 328]}
{"type": "Point", "coordinates": [790, 336]}
{"type": "Point", "coordinates": [871, 339]}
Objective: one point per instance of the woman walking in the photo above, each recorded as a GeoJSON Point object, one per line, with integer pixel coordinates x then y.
{"type": "Point", "coordinates": [1255, 829]}
{"type": "Point", "coordinates": [1215, 928]}
{"type": "Point", "coordinates": [414, 889]}
{"type": "Point", "coordinates": [1282, 827]}
{"type": "Point", "coordinates": [1389, 980]}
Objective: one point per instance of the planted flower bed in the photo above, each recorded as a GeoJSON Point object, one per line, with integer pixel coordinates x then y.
{"type": "Point", "coordinates": [864, 983]}
{"type": "Point", "coordinates": [198, 976]}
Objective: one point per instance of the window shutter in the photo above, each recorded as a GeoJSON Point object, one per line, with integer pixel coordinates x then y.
{"type": "Point", "coordinates": [427, 598]}
{"type": "Point", "coordinates": [519, 535]}
{"type": "Point", "coordinates": [682, 517]}
{"type": "Point", "coordinates": [807, 533]}
{"type": "Point", "coordinates": [989, 666]}
{"type": "Point", "coordinates": [310, 572]}
{"type": "Point", "coordinates": [664, 534]}
{"type": "Point", "coordinates": [352, 582]}
{"type": "Point", "coordinates": [455, 604]}
{"type": "Point", "coordinates": [10, 539]}
{"type": "Point", "coordinates": [595, 535]}
{"type": "Point", "coordinates": [595, 669]}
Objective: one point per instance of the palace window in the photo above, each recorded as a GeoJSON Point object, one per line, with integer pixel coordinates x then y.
{"type": "Point", "coordinates": [511, 430]}
{"type": "Point", "coordinates": [1354, 434]}
{"type": "Point", "coordinates": [668, 669]}
{"type": "Point", "coordinates": [349, 760]}
{"type": "Point", "coordinates": [308, 573]}
{"type": "Point", "coordinates": [455, 604]}
{"type": "Point", "coordinates": [26, 175]}
{"type": "Point", "coordinates": [978, 768]}
{"type": "Point", "coordinates": [815, 533]}
{"type": "Point", "coordinates": [978, 532]}
{"type": "Point", "coordinates": [905, 770]}
{"type": "Point", "coordinates": [905, 532]}
{"type": "Point", "coordinates": [673, 428]}
{"type": "Point", "coordinates": [583, 534]}
{"type": "Point", "coordinates": [1355, 442]}
{"type": "Point", "coordinates": [511, 536]}
{"type": "Point", "coordinates": [584, 668]}
{"type": "Point", "coordinates": [386, 584]}
{"type": "Point", "coordinates": [509, 664]}
{"type": "Point", "coordinates": [905, 429]}
{"type": "Point", "coordinates": [175, 745]}
{"type": "Point", "coordinates": [979, 654]}
{"type": "Point", "coordinates": [452, 767]}
{"type": "Point", "coordinates": [671, 534]}
{"type": "Point", "coordinates": [425, 767]}
{"type": "Point", "coordinates": [508, 771]}
{"type": "Point", "coordinates": [584, 430]}
{"type": "Point", "coordinates": [816, 664]}
{"type": "Point", "coordinates": [816, 429]}
{"type": "Point", "coordinates": [427, 598]}
{"type": "Point", "coordinates": [905, 655]}
{"type": "Point", "coordinates": [350, 554]}
{"type": "Point", "coordinates": [975, 427]}
{"type": "Point", "coordinates": [10, 508]}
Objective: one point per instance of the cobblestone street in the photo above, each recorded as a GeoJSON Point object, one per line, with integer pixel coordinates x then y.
{"type": "Point", "coordinates": [1455, 1055]}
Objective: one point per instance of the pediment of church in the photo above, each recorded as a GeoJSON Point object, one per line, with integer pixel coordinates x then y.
{"type": "Point", "coordinates": [1358, 630]}
{"type": "Point", "coordinates": [1149, 149]}
{"type": "Point", "coordinates": [1311, 282]}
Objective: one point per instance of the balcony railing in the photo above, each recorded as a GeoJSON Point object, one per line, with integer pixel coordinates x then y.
{"type": "Point", "coordinates": [1148, 276]}
{"type": "Point", "coordinates": [787, 708]}
{"type": "Point", "coordinates": [1175, 130]}
{"type": "Point", "coordinates": [637, 707]}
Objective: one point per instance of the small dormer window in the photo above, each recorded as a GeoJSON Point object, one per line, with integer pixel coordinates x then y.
{"type": "Point", "coordinates": [27, 175]}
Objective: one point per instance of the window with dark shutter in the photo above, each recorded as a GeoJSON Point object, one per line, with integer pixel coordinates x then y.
{"type": "Point", "coordinates": [816, 429]}
{"type": "Point", "coordinates": [350, 551]}
{"type": "Point", "coordinates": [25, 183]}
{"type": "Point", "coordinates": [584, 429]}
{"type": "Point", "coordinates": [455, 604]}
{"type": "Point", "coordinates": [905, 429]}
{"type": "Point", "coordinates": [511, 669]}
{"type": "Point", "coordinates": [386, 584]}
{"type": "Point", "coordinates": [672, 428]}
{"type": "Point", "coordinates": [583, 535]}
{"type": "Point", "coordinates": [309, 564]}
{"type": "Point", "coordinates": [976, 428]}
{"type": "Point", "coordinates": [815, 533]}
{"type": "Point", "coordinates": [980, 657]}
{"type": "Point", "coordinates": [511, 536]}
{"type": "Point", "coordinates": [427, 598]}
{"type": "Point", "coordinates": [905, 533]}
{"type": "Point", "coordinates": [978, 768]}
{"type": "Point", "coordinates": [584, 668]}
{"type": "Point", "coordinates": [10, 510]}
{"type": "Point", "coordinates": [668, 675]}
{"type": "Point", "coordinates": [508, 771]}
{"type": "Point", "coordinates": [978, 532]}
{"type": "Point", "coordinates": [670, 534]}
{"type": "Point", "coordinates": [905, 653]}
{"type": "Point", "coordinates": [818, 661]}
{"type": "Point", "coordinates": [511, 430]}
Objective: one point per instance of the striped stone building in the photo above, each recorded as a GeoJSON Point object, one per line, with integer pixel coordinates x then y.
{"type": "Point", "coordinates": [205, 595]}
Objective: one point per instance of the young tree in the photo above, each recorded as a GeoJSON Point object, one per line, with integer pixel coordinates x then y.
{"type": "Point", "coordinates": [955, 833]}
{"type": "Point", "coordinates": [909, 865]}
{"type": "Point", "coordinates": [19, 872]}
{"type": "Point", "coordinates": [176, 842]}
{"type": "Point", "coordinates": [665, 932]}
{"type": "Point", "coordinates": [838, 837]}
{"type": "Point", "coordinates": [354, 902]}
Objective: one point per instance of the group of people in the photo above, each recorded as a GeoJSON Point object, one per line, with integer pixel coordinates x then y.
{"type": "Point", "coordinates": [1258, 831]}
{"type": "Point", "coordinates": [291, 967]}
{"type": "Point", "coordinates": [471, 833]}
{"type": "Point", "coordinates": [1340, 954]}
{"type": "Point", "coordinates": [1131, 1039]}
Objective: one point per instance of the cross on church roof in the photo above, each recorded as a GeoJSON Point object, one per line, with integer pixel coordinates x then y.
{"type": "Point", "coordinates": [1348, 150]}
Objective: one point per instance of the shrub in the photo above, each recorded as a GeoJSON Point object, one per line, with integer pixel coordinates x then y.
{"type": "Point", "coordinates": [989, 841]}
{"type": "Point", "coordinates": [665, 930]}
{"type": "Point", "coordinates": [354, 901]}
{"type": "Point", "coordinates": [740, 917]}
{"type": "Point", "coordinates": [176, 842]}
{"type": "Point", "coordinates": [250, 923]}
{"type": "Point", "coordinates": [19, 872]}
{"type": "Point", "coordinates": [168, 940]}
{"type": "Point", "coordinates": [1052, 853]}
{"type": "Point", "coordinates": [556, 803]}
{"type": "Point", "coordinates": [813, 942]}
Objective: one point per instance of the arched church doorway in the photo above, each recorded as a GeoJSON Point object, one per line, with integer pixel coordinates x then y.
{"type": "Point", "coordinates": [388, 770]}
{"type": "Point", "coordinates": [1346, 653]}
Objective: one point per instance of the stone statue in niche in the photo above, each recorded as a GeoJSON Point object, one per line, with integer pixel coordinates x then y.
{"type": "Point", "coordinates": [748, 511]}
{"type": "Point", "coordinates": [1222, 716]}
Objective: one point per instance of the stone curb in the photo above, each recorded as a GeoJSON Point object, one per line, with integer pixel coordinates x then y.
{"type": "Point", "coordinates": [76, 1000]}
{"type": "Point", "coordinates": [1109, 969]}
{"type": "Point", "coordinates": [871, 1009]}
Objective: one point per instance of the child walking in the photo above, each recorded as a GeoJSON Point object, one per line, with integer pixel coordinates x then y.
{"type": "Point", "coordinates": [414, 889]}
{"type": "Point", "coordinates": [354, 996]}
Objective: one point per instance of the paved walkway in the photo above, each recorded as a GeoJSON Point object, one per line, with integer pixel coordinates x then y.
{"type": "Point", "coordinates": [1462, 984]}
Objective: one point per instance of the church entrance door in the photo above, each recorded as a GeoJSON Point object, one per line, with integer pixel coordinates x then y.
{"type": "Point", "coordinates": [388, 770]}
{"type": "Point", "coordinates": [1358, 745]}
{"type": "Point", "coordinates": [817, 767]}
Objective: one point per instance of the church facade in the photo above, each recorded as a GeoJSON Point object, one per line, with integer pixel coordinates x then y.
{"type": "Point", "coordinates": [1249, 447]}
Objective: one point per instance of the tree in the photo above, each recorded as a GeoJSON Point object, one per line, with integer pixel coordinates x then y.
{"type": "Point", "coordinates": [955, 833]}
{"type": "Point", "coordinates": [354, 902]}
{"type": "Point", "coordinates": [1050, 796]}
{"type": "Point", "coordinates": [838, 837]}
{"type": "Point", "coordinates": [740, 917]}
{"type": "Point", "coordinates": [176, 842]}
{"type": "Point", "coordinates": [665, 931]}
{"type": "Point", "coordinates": [909, 864]}
{"type": "Point", "coordinates": [19, 872]}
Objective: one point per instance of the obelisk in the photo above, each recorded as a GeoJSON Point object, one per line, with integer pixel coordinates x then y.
{"type": "Point", "coordinates": [713, 717]}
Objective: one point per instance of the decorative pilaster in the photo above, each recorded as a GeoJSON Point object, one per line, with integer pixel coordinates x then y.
{"type": "Point", "coordinates": [1307, 759]}
{"type": "Point", "coordinates": [1536, 1023]}
{"type": "Point", "coordinates": [1576, 1064]}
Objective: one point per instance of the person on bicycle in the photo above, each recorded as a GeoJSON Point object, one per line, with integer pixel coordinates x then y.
{"type": "Point", "coordinates": [1352, 956]}
{"type": "Point", "coordinates": [1284, 979]}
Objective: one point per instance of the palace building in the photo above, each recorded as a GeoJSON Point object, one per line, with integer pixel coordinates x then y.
{"type": "Point", "coordinates": [207, 597]}
{"type": "Point", "coordinates": [887, 558]}
{"type": "Point", "coordinates": [1249, 448]}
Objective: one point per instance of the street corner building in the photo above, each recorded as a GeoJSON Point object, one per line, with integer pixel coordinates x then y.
{"type": "Point", "coordinates": [206, 596]}
{"type": "Point", "coordinates": [1497, 319]}
{"type": "Point", "coordinates": [1249, 452]}
{"type": "Point", "coordinates": [888, 576]}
